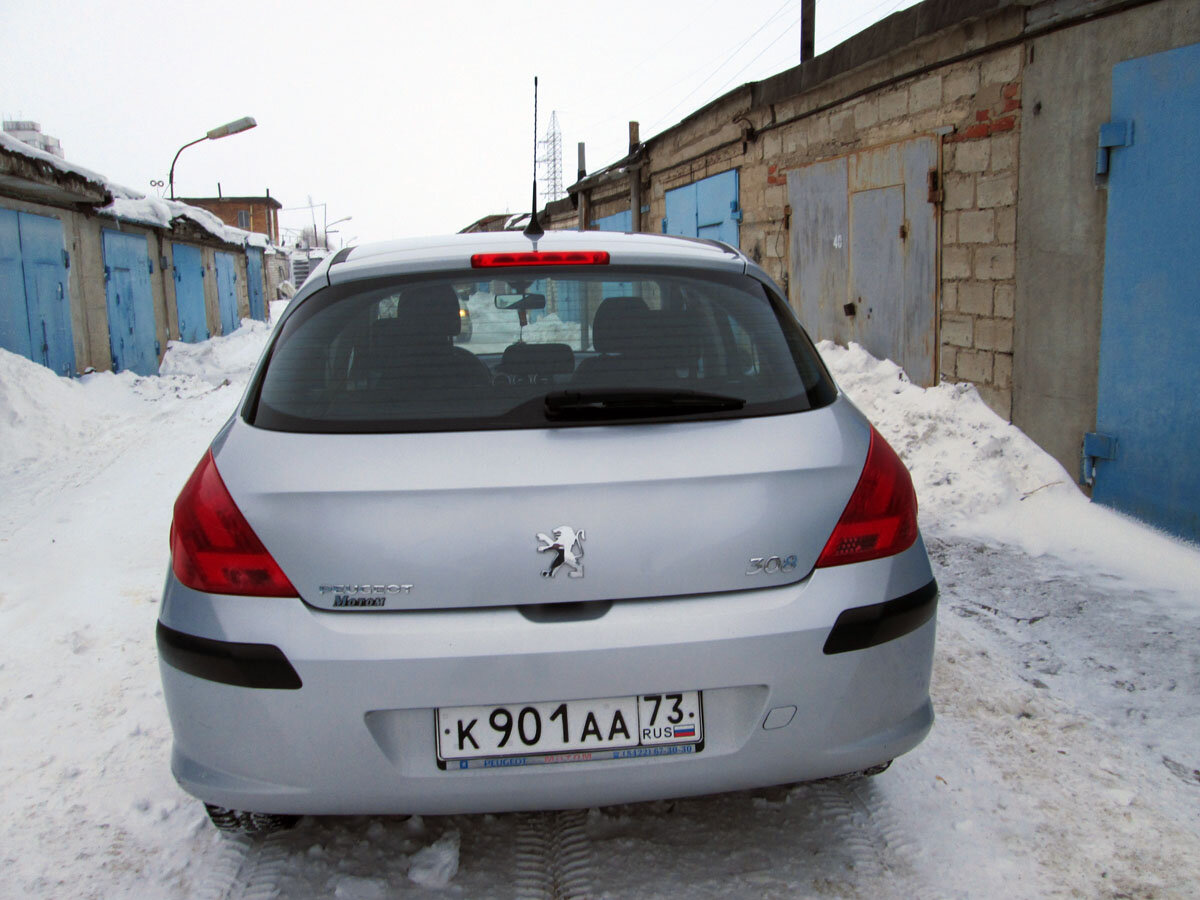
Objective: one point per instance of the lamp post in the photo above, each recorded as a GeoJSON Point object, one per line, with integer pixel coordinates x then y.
{"type": "Point", "coordinates": [243, 124]}
{"type": "Point", "coordinates": [334, 222]}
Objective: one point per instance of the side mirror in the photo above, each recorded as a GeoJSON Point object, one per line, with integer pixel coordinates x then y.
{"type": "Point", "coordinates": [521, 302]}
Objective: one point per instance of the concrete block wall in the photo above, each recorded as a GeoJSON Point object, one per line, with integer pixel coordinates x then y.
{"type": "Point", "coordinates": [979, 228]}
{"type": "Point", "coordinates": [974, 105]}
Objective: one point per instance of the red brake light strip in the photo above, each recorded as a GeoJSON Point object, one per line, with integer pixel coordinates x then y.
{"type": "Point", "coordinates": [540, 258]}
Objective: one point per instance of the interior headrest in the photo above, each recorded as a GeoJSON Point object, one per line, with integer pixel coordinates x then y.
{"type": "Point", "coordinates": [620, 325]}
{"type": "Point", "coordinates": [429, 310]}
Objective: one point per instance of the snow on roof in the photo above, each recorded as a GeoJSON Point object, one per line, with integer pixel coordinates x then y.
{"type": "Point", "coordinates": [20, 148]}
{"type": "Point", "coordinates": [129, 205]}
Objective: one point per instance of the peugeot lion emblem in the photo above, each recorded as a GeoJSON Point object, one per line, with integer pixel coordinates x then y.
{"type": "Point", "coordinates": [567, 546]}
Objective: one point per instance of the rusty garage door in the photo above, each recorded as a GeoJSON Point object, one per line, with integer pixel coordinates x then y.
{"type": "Point", "coordinates": [864, 252]}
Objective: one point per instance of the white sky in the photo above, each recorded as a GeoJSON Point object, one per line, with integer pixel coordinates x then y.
{"type": "Point", "coordinates": [413, 118]}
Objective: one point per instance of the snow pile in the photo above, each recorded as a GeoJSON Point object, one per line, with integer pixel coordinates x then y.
{"type": "Point", "coordinates": [435, 865]}
{"type": "Point", "coordinates": [220, 360]}
{"type": "Point", "coordinates": [44, 417]}
{"type": "Point", "coordinates": [494, 329]}
{"type": "Point", "coordinates": [25, 391]}
{"type": "Point", "coordinates": [552, 329]}
{"type": "Point", "coordinates": [978, 476]}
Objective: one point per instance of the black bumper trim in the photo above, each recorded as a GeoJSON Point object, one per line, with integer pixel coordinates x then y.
{"type": "Point", "coordinates": [242, 665]}
{"type": "Point", "coordinates": [869, 626]}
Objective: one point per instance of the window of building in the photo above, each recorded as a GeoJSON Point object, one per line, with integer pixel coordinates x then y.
{"type": "Point", "coordinates": [243, 218]}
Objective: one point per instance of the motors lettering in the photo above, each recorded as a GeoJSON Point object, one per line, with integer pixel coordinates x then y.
{"type": "Point", "coordinates": [363, 596]}
{"type": "Point", "coordinates": [345, 600]}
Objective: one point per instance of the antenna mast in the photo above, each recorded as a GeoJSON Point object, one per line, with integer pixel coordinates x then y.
{"type": "Point", "coordinates": [534, 229]}
{"type": "Point", "coordinates": [551, 161]}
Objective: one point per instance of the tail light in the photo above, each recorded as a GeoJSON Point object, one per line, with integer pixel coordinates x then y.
{"type": "Point", "coordinates": [213, 547]}
{"type": "Point", "coordinates": [540, 258]}
{"type": "Point", "coordinates": [881, 517]}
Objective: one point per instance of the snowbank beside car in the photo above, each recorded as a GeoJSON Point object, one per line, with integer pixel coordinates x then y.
{"type": "Point", "coordinates": [980, 477]}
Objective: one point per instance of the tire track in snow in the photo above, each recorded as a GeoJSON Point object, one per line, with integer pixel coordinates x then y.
{"type": "Point", "coordinates": [232, 854]}
{"type": "Point", "coordinates": [849, 823]}
{"type": "Point", "coordinates": [261, 880]}
{"type": "Point", "coordinates": [897, 847]}
{"type": "Point", "coordinates": [246, 868]}
{"type": "Point", "coordinates": [554, 856]}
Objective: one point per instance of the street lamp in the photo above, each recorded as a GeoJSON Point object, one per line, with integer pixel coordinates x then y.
{"type": "Point", "coordinates": [243, 124]}
{"type": "Point", "coordinates": [334, 222]}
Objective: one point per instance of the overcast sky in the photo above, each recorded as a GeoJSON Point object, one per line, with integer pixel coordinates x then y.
{"type": "Point", "coordinates": [412, 118]}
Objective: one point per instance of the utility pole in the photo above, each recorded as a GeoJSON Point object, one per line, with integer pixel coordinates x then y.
{"type": "Point", "coordinates": [808, 15]}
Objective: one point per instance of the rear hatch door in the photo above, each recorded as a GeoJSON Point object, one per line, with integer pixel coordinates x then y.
{"type": "Point", "coordinates": [449, 520]}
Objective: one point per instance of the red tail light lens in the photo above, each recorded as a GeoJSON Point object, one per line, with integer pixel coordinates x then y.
{"type": "Point", "coordinates": [881, 517]}
{"type": "Point", "coordinates": [213, 547]}
{"type": "Point", "coordinates": [540, 258]}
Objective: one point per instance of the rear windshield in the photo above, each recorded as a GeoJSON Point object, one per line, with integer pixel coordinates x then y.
{"type": "Point", "coordinates": [581, 346]}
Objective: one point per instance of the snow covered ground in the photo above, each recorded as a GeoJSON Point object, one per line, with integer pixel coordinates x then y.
{"type": "Point", "coordinates": [1064, 761]}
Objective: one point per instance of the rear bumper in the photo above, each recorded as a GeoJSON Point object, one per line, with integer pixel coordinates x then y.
{"type": "Point", "coordinates": [358, 735]}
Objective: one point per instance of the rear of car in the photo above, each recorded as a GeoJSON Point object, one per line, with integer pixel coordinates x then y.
{"type": "Point", "coordinates": [624, 540]}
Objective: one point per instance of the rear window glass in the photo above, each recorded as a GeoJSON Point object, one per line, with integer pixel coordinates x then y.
{"type": "Point", "coordinates": [529, 349]}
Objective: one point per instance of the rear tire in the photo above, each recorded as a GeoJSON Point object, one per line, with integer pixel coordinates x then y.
{"type": "Point", "coordinates": [876, 769]}
{"type": "Point", "coordinates": [236, 821]}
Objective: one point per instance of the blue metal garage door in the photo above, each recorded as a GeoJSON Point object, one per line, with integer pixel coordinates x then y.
{"type": "Point", "coordinates": [189, 292]}
{"type": "Point", "coordinates": [622, 221]}
{"type": "Point", "coordinates": [254, 283]}
{"type": "Point", "coordinates": [1148, 405]}
{"type": "Point", "coordinates": [707, 208]}
{"type": "Point", "coordinates": [35, 308]}
{"type": "Point", "coordinates": [132, 333]}
{"type": "Point", "coordinates": [227, 292]}
{"type": "Point", "coordinates": [14, 316]}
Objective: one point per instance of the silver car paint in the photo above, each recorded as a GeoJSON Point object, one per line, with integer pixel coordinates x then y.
{"type": "Point", "coordinates": [455, 252]}
{"type": "Point", "coordinates": [358, 737]}
{"type": "Point", "coordinates": [669, 509]}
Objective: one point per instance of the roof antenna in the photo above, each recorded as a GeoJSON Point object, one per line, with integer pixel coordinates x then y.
{"type": "Point", "coordinates": [534, 230]}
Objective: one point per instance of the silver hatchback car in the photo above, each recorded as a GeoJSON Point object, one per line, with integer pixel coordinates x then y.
{"type": "Point", "coordinates": [627, 541]}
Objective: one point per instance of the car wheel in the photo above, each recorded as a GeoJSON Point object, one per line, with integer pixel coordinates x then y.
{"type": "Point", "coordinates": [876, 770]}
{"type": "Point", "coordinates": [235, 821]}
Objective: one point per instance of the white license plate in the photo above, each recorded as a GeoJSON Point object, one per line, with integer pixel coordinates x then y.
{"type": "Point", "coordinates": [570, 730]}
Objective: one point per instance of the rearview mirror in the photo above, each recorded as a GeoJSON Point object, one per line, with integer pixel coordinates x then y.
{"type": "Point", "coordinates": [520, 301]}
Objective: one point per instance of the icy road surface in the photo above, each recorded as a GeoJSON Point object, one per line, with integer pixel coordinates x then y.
{"type": "Point", "coordinates": [1067, 686]}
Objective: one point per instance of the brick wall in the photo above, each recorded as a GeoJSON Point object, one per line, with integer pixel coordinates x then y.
{"type": "Point", "coordinates": [262, 217]}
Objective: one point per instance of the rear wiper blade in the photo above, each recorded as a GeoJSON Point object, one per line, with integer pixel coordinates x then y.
{"type": "Point", "coordinates": [619, 403]}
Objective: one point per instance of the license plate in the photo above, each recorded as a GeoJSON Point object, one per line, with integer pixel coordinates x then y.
{"type": "Point", "coordinates": [570, 730]}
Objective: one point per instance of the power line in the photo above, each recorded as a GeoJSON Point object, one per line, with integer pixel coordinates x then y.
{"type": "Point", "coordinates": [896, 4]}
{"type": "Point", "coordinates": [726, 62]}
{"type": "Point", "coordinates": [647, 58]}
{"type": "Point", "coordinates": [782, 34]}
